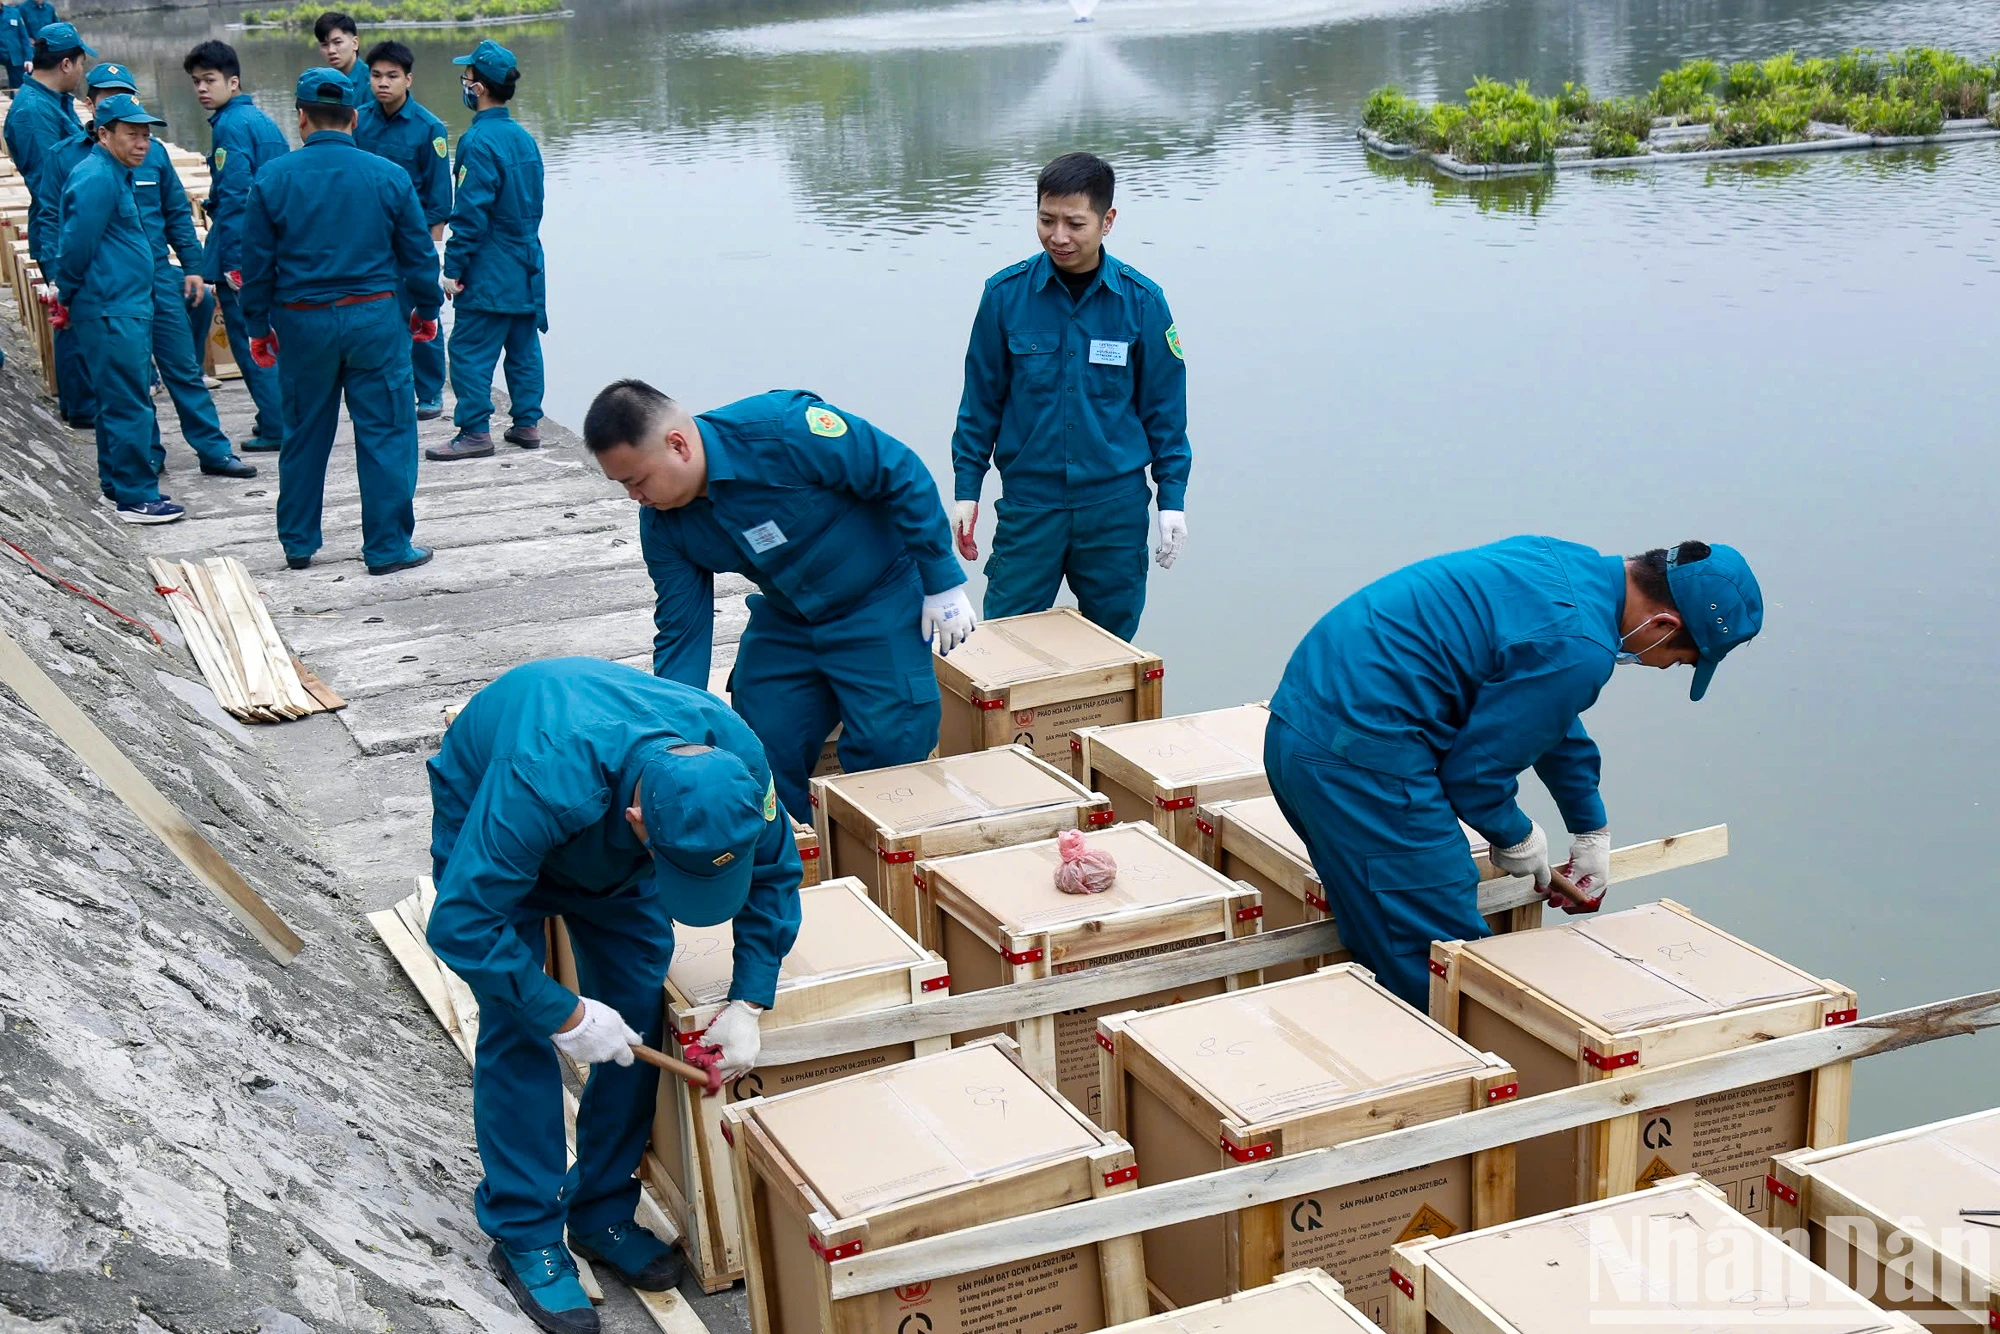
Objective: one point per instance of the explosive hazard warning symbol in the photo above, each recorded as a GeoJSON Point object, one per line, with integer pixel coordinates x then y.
{"type": "Point", "coordinates": [1426, 1222]}
{"type": "Point", "coordinates": [1656, 1171]}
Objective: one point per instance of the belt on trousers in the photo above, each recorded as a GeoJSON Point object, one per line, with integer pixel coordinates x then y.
{"type": "Point", "coordinates": [340, 301]}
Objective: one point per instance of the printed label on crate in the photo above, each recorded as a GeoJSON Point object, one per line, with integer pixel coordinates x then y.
{"type": "Point", "coordinates": [767, 1081]}
{"type": "Point", "coordinates": [1730, 1137]}
{"type": "Point", "coordinates": [1656, 1171]}
{"type": "Point", "coordinates": [1348, 1232]}
{"type": "Point", "coordinates": [1046, 730]}
{"type": "Point", "coordinates": [1050, 1294]}
{"type": "Point", "coordinates": [1076, 1030]}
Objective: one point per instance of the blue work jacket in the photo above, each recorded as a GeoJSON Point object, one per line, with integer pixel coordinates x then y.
{"type": "Point", "coordinates": [37, 15]}
{"type": "Point", "coordinates": [416, 141]}
{"type": "Point", "coordinates": [16, 46]}
{"type": "Point", "coordinates": [813, 504]}
{"type": "Point", "coordinates": [331, 221]}
{"type": "Point", "coordinates": [104, 263]}
{"type": "Point", "coordinates": [1475, 665]}
{"type": "Point", "coordinates": [163, 208]}
{"type": "Point", "coordinates": [244, 140]}
{"type": "Point", "coordinates": [46, 143]}
{"type": "Point", "coordinates": [495, 247]}
{"type": "Point", "coordinates": [530, 790]}
{"type": "Point", "coordinates": [1073, 399]}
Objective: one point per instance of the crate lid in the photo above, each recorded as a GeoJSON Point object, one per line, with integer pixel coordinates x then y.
{"type": "Point", "coordinates": [1017, 885]}
{"type": "Point", "coordinates": [1297, 1046]}
{"type": "Point", "coordinates": [1622, 1264]}
{"type": "Point", "coordinates": [1644, 966]}
{"type": "Point", "coordinates": [1929, 1177]}
{"type": "Point", "coordinates": [956, 787]}
{"type": "Point", "coordinates": [925, 1125]}
{"type": "Point", "coordinates": [840, 932]}
{"type": "Point", "coordinates": [1045, 643]}
{"type": "Point", "coordinates": [1192, 747]}
{"type": "Point", "coordinates": [1295, 1308]}
{"type": "Point", "coordinates": [1261, 816]}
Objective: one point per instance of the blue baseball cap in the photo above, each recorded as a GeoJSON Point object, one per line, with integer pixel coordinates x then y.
{"type": "Point", "coordinates": [125, 107]}
{"type": "Point", "coordinates": [63, 37]}
{"type": "Point", "coordinates": [324, 86]}
{"type": "Point", "coordinates": [704, 812]}
{"type": "Point", "coordinates": [490, 60]}
{"type": "Point", "coordinates": [1720, 604]}
{"type": "Point", "coordinates": [110, 74]}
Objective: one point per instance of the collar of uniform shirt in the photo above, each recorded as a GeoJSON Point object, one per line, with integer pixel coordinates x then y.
{"type": "Point", "coordinates": [717, 466]}
{"type": "Point", "coordinates": [323, 136]}
{"type": "Point", "coordinates": [1107, 271]}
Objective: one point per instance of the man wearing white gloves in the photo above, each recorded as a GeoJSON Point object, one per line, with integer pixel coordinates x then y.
{"type": "Point", "coordinates": [840, 527]}
{"type": "Point", "coordinates": [622, 803]}
{"type": "Point", "coordinates": [1416, 703]}
{"type": "Point", "coordinates": [1075, 385]}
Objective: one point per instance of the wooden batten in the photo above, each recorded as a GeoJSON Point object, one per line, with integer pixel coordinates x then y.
{"type": "Point", "coordinates": [1286, 1068]}
{"type": "Point", "coordinates": [812, 862]}
{"type": "Point", "coordinates": [1033, 680]}
{"type": "Point", "coordinates": [1161, 770]}
{"type": "Point", "coordinates": [1305, 1301]}
{"type": "Point", "coordinates": [1603, 997]}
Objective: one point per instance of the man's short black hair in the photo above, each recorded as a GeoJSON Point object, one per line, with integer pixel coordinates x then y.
{"type": "Point", "coordinates": [218, 56]}
{"type": "Point", "coordinates": [328, 118]}
{"type": "Point", "coordinates": [395, 52]}
{"type": "Point", "coordinates": [334, 21]}
{"type": "Point", "coordinates": [1078, 174]}
{"type": "Point", "coordinates": [48, 59]}
{"type": "Point", "coordinates": [625, 412]}
{"type": "Point", "coordinates": [499, 92]}
{"type": "Point", "coordinates": [1649, 572]}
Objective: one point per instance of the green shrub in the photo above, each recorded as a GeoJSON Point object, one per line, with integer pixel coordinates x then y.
{"type": "Point", "coordinates": [1744, 80]}
{"type": "Point", "coordinates": [1858, 71]}
{"type": "Point", "coordinates": [1625, 115]}
{"type": "Point", "coordinates": [1607, 140]}
{"type": "Point", "coordinates": [1776, 118]}
{"type": "Point", "coordinates": [1392, 115]}
{"type": "Point", "coordinates": [1435, 132]}
{"type": "Point", "coordinates": [1893, 116]}
{"type": "Point", "coordinates": [1572, 102]}
{"type": "Point", "coordinates": [1682, 90]}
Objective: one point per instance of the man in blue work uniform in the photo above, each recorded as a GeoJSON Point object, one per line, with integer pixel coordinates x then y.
{"type": "Point", "coordinates": [17, 47]}
{"type": "Point", "coordinates": [46, 143]}
{"type": "Point", "coordinates": [245, 139]}
{"type": "Point", "coordinates": [840, 527]}
{"type": "Point", "coordinates": [103, 274]}
{"type": "Point", "coordinates": [1074, 386]}
{"type": "Point", "coordinates": [1416, 703]}
{"type": "Point", "coordinates": [334, 254]}
{"type": "Point", "coordinates": [493, 264]}
{"type": "Point", "coordinates": [37, 14]}
{"type": "Point", "coordinates": [392, 124]}
{"type": "Point", "coordinates": [339, 38]}
{"type": "Point", "coordinates": [163, 210]}
{"type": "Point", "coordinates": [579, 788]}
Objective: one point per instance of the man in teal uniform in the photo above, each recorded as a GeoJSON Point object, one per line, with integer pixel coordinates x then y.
{"type": "Point", "coordinates": [493, 264]}
{"type": "Point", "coordinates": [339, 38]}
{"type": "Point", "coordinates": [579, 788]}
{"type": "Point", "coordinates": [334, 255]}
{"type": "Point", "coordinates": [245, 140]}
{"type": "Point", "coordinates": [17, 45]}
{"type": "Point", "coordinates": [46, 143]}
{"type": "Point", "coordinates": [392, 124]}
{"type": "Point", "coordinates": [841, 528]}
{"type": "Point", "coordinates": [1416, 703]}
{"type": "Point", "coordinates": [1074, 386]}
{"type": "Point", "coordinates": [37, 15]}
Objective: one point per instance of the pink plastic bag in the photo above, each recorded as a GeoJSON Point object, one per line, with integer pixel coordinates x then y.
{"type": "Point", "coordinates": [1084, 869]}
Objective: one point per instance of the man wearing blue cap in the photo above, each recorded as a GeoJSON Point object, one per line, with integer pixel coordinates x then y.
{"type": "Point", "coordinates": [163, 210]}
{"type": "Point", "coordinates": [1416, 703]}
{"type": "Point", "coordinates": [841, 528]}
{"type": "Point", "coordinates": [493, 263]}
{"type": "Point", "coordinates": [46, 143]}
{"type": "Point", "coordinates": [392, 124]}
{"type": "Point", "coordinates": [244, 140]}
{"type": "Point", "coordinates": [580, 788]}
{"type": "Point", "coordinates": [337, 266]}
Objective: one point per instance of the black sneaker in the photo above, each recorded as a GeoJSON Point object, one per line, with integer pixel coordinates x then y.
{"type": "Point", "coordinates": [152, 511]}
{"type": "Point", "coordinates": [229, 467]}
{"type": "Point", "coordinates": [259, 445]}
{"type": "Point", "coordinates": [298, 562]}
{"type": "Point", "coordinates": [638, 1257]}
{"type": "Point", "coordinates": [418, 556]}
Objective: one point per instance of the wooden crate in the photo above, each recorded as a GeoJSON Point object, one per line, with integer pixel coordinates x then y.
{"type": "Point", "coordinates": [1674, 1258]}
{"type": "Point", "coordinates": [1279, 1069]}
{"type": "Point", "coordinates": [1308, 1301]}
{"type": "Point", "coordinates": [1004, 921]}
{"type": "Point", "coordinates": [1033, 680]}
{"type": "Point", "coordinates": [811, 864]}
{"type": "Point", "coordinates": [1163, 769]}
{"type": "Point", "coordinates": [1250, 840]}
{"type": "Point", "coordinates": [1881, 1215]}
{"type": "Point", "coordinates": [1610, 996]}
{"type": "Point", "coordinates": [849, 959]}
{"type": "Point", "coordinates": [923, 1149]}
{"type": "Point", "coordinates": [876, 825]}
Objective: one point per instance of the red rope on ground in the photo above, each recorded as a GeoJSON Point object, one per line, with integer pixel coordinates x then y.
{"type": "Point", "coordinates": [65, 584]}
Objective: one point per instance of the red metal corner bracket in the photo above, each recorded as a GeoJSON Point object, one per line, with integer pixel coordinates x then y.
{"type": "Point", "coordinates": [1022, 956]}
{"type": "Point", "coordinates": [1599, 1061]}
{"type": "Point", "coordinates": [1104, 1042]}
{"type": "Point", "coordinates": [832, 1253]}
{"type": "Point", "coordinates": [1403, 1285]}
{"type": "Point", "coordinates": [1250, 1155]}
{"type": "Point", "coordinates": [982, 702]}
{"type": "Point", "coordinates": [1835, 1018]}
{"type": "Point", "coordinates": [1317, 902]}
{"type": "Point", "coordinates": [938, 983]}
{"type": "Point", "coordinates": [1781, 1190]}
{"type": "Point", "coordinates": [1204, 826]}
{"type": "Point", "coordinates": [1250, 914]}
{"type": "Point", "coordinates": [808, 854]}
{"type": "Point", "coordinates": [1152, 673]}
{"type": "Point", "coordinates": [895, 858]}
{"type": "Point", "coordinates": [1102, 817]}
{"type": "Point", "coordinates": [1502, 1092]}
{"type": "Point", "coordinates": [1122, 1175]}
{"type": "Point", "coordinates": [1174, 803]}
{"type": "Point", "coordinates": [1437, 966]}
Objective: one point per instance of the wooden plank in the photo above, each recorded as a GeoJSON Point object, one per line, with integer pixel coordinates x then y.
{"type": "Point", "coordinates": [290, 690]}
{"type": "Point", "coordinates": [671, 1312]}
{"type": "Point", "coordinates": [223, 601]}
{"type": "Point", "coordinates": [1191, 1198]}
{"type": "Point", "coordinates": [67, 721]}
{"type": "Point", "coordinates": [417, 962]}
{"type": "Point", "coordinates": [323, 694]}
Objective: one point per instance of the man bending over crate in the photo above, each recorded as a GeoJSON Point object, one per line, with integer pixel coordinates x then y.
{"type": "Point", "coordinates": [622, 803]}
{"type": "Point", "coordinates": [1417, 702]}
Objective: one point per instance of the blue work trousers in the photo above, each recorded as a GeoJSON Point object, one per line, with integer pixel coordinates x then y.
{"type": "Point", "coordinates": [117, 353]}
{"type": "Point", "coordinates": [427, 365]}
{"type": "Point", "coordinates": [623, 943]}
{"type": "Point", "coordinates": [75, 399]}
{"type": "Point", "coordinates": [262, 382]}
{"type": "Point", "coordinates": [867, 669]}
{"type": "Point", "coordinates": [178, 358]}
{"type": "Point", "coordinates": [477, 339]}
{"type": "Point", "coordinates": [1100, 549]}
{"type": "Point", "coordinates": [1388, 849]}
{"type": "Point", "coordinates": [361, 352]}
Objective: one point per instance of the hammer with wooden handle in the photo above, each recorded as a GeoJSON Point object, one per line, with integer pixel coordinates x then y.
{"type": "Point", "coordinates": [1562, 886]}
{"type": "Point", "coordinates": [708, 1079]}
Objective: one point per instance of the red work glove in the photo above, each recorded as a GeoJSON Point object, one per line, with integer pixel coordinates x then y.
{"type": "Point", "coordinates": [58, 315]}
{"type": "Point", "coordinates": [235, 278]}
{"type": "Point", "coordinates": [421, 329]}
{"type": "Point", "coordinates": [264, 351]}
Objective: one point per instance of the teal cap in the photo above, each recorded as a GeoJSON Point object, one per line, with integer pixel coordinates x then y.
{"type": "Point", "coordinates": [125, 107]}
{"type": "Point", "coordinates": [704, 811]}
{"type": "Point", "coordinates": [1720, 604]}
{"type": "Point", "coordinates": [62, 37]}
{"type": "Point", "coordinates": [110, 74]}
{"type": "Point", "coordinates": [491, 61]}
{"type": "Point", "coordinates": [324, 86]}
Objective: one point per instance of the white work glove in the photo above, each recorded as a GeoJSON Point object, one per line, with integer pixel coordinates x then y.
{"type": "Point", "coordinates": [602, 1035]}
{"type": "Point", "coordinates": [948, 618]}
{"type": "Point", "coordinates": [1528, 857]}
{"type": "Point", "coordinates": [735, 1037]}
{"type": "Point", "coordinates": [1589, 866]}
{"type": "Point", "coordinates": [964, 514]}
{"type": "Point", "coordinates": [1173, 536]}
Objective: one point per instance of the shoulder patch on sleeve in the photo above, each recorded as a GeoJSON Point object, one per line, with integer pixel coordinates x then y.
{"type": "Point", "coordinates": [826, 422]}
{"type": "Point", "coordinates": [221, 156]}
{"type": "Point", "coordinates": [461, 174]}
{"type": "Point", "coordinates": [770, 801]}
{"type": "Point", "coordinates": [438, 145]}
{"type": "Point", "coordinates": [1174, 342]}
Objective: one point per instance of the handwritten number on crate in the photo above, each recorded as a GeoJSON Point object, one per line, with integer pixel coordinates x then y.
{"type": "Point", "coordinates": [988, 1095]}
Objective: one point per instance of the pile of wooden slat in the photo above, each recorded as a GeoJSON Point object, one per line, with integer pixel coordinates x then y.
{"type": "Point", "coordinates": [235, 643]}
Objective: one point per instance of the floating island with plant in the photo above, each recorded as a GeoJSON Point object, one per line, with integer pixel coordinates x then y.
{"type": "Point", "coordinates": [413, 13]}
{"type": "Point", "coordinates": [1701, 111]}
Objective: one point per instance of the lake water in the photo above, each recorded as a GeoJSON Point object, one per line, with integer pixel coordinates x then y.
{"type": "Point", "coordinates": [1794, 357]}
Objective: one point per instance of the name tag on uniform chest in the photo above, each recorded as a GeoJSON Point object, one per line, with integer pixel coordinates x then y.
{"type": "Point", "coordinates": [1105, 352]}
{"type": "Point", "coordinates": [764, 536]}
